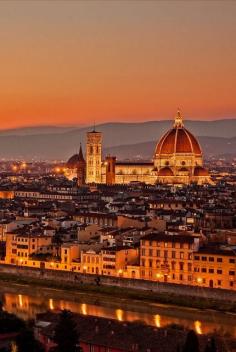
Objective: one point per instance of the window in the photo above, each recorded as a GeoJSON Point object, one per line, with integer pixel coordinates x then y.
{"type": "Point", "coordinates": [211, 259]}
{"type": "Point", "coordinates": [166, 245]}
{"type": "Point", "coordinates": [232, 261]}
{"type": "Point", "coordinates": [143, 252]}
{"type": "Point", "coordinates": [211, 271]}
{"type": "Point", "coordinates": [231, 283]}
{"type": "Point", "coordinates": [158, 253]}
{"type": "Point", "coordinates": [181, 277]}
{"type": "Point", "coordinates": [196, 257]}
{"type": "Point", "coordinates": [150, 252]}
{"type": "Point", "coordinates": [219, 282]}
{"type": "Point", "coordinates": [189, 267]}
{"type": "Point", "coordinates": [219, 271]}
{"type": "Point", "coordinates": [165, 254]}
{"type": "Point", "coordinates": [150, 263]}
{"type": "Point", "coordinates": [231, 272]}
{"type": "Point", "coordinates": [219, 260]}
{"type": "Point", "coordinates": [204, 259]}
{"type": "Point", "coordinates": [173, 255]}
{"type": "Point", "coordinates": [190, 256]}
{"type": "Point", "coordinates": [204, 270]}
{"type": "Point", "coordinates": [181, 266]}
{"type": "Point", "coordinates": [181, 255]}
{"type": "Point", "coordinates": [173, 244]}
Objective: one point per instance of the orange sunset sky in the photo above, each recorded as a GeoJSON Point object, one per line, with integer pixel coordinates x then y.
{"type": "Point", "coordinates": [73, 62]}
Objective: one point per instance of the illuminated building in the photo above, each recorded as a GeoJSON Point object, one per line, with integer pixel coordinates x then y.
{"type": "Point", "coordinates": [215, 268]}
{"type": "Point", "coordinates": [94, 157]}
{"type": "Point", "coordinates": [177, 159]}
{"type": "Point", "coordinates": [168, 258]}
{"type": "Point", "coordinates": [76, 168]}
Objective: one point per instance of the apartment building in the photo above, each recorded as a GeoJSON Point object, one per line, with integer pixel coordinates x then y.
{"type": "Point", "coordinates": [215, 267]}
{"type": "Point", "coordinates": [115, 260]}
{"type": "Point", "coordinates": [20, 247]}
{"type": "Point", "coordinates": [168, 258]}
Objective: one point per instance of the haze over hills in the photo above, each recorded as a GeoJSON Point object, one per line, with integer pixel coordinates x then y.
{"type": "Point", "coordinates": [211, 146]}
{"type": "Point", "coordinates": [126, 140]}
{"type": "Point", "coordinates": [30, 130]}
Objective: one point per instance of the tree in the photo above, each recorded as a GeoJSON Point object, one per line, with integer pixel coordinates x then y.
{"type": "Point", "coordinates": [10, 323]}
{"type": "Point", "coordinates": [211, 345]}
{"type": "Point", "coordinates": [66, 335]}
{"type": "Point", "coordinates": [57, 241]}
{"type": "Point", "coordinates": [191, 343]}
{"type": "Point", "coordinates": [26, 342]}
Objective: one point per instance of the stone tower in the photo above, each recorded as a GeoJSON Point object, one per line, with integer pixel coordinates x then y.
{"type": "Point", "coordinates": [110, 163]}
{"type": "Point", "coordinates": [81, 168]}
{"type": "Point", "coordinates": [94, 157]}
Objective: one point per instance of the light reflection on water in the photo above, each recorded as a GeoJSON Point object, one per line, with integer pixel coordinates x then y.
{"type": "Point", "coordinates": [27, 306]}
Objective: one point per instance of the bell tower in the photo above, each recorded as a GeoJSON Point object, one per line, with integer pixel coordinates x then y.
{"type": "Point", "coordinates": [94, 157]}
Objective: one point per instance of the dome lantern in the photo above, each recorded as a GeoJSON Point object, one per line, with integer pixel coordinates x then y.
{"type": "Point", "coordinates": [178, 120]}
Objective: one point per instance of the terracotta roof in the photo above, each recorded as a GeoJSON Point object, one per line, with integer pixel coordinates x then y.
{"type": "Point", "coordinates": [120, 336]}
{"type": "Point", "coordinates": [75, 159]}
{"type": "Point", "coordinates": [161, 236]}
{"type": "Point", "coordinates": [178, 140]}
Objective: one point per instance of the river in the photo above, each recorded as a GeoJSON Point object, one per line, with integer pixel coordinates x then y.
{"type": "Point", "coordinates": [26, 302]}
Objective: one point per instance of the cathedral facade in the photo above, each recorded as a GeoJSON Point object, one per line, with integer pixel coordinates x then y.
{"type": "Point", "coordinates": [177, 159]}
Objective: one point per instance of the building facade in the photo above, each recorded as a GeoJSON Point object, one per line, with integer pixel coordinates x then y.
{"type": "Point", "coordinates": [168, 258]}
{"type": "Point", "coordinates": [177, 159]}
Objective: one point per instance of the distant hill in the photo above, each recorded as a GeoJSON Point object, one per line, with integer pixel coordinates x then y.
{"type": "Point", "coordinates": [31, 130]}
{"type": "Point", "coordinates": [48, 142]}
{"type": "Point", "coordinates": [210, 146]}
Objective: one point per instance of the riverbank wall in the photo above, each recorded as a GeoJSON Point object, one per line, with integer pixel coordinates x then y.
{"type": "Point", "coordinates": [78, 280]}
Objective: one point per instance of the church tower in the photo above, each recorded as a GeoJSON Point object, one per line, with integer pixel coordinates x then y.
{"type": "Point", "coordinates": [81, 168]}
{"type": "Point", "coordinates": [94, 157]}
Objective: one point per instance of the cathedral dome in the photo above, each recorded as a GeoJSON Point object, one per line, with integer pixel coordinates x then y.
{"type": "Point", "coordinates": [178, 140]}
{"type": "Point", "coordinates": [200, 171]}
{"type": "Point", "coordinates": [165, 171]}
{"type": "Point", "coordinates": [75, 160]}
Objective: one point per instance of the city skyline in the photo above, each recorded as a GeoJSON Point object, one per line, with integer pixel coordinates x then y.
{"type": "Point", "coordinates": [69, 63]}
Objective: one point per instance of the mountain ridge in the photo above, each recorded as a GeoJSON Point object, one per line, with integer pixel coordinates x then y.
{"type": "Point", "coordinates": [62, 145]}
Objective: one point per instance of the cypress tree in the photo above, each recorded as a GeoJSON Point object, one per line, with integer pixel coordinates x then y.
{"type": "Point", "coordinates": [26, 342]}
{"type": "Point", "coordinates": [191, 343]}
{"type": "Point", "coordinates": [66, 336]}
